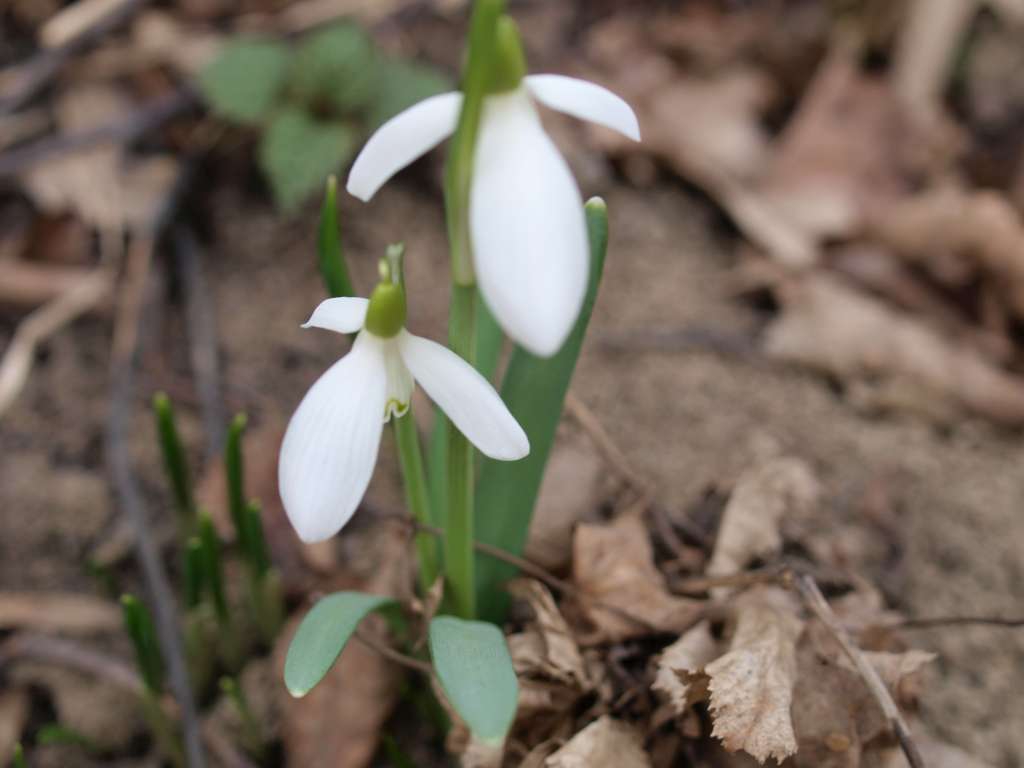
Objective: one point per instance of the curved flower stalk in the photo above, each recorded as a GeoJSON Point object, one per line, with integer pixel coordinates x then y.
{"type": "Point", "coordinates": [330, 447]}
{"type": "Point", "coordinates": [526, 220]}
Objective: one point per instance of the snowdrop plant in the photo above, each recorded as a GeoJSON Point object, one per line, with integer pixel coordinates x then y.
{"type": "Point", "coordinates": [521, 237]}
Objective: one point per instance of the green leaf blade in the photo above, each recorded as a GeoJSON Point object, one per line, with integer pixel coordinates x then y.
{"type": "Point", "coordinates": [334, 69]}
{"type": "Point", "coordinates": [245, 80]}
{"type": "Point", "coordinates": [333, 268]}
{"type": "Point", "coordinates": [534, 390]}
{"type": "Point", "coordinates": [474, 666]}
{"type": "Point", "coordinates": [297, 153]}
{"type": "Point", "coordinates": [322, 636]}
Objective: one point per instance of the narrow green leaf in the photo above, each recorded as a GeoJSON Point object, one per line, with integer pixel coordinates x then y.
{"type": "Point", "coordinates": [193, 572]}
{"type": "Point", "coordinates": [437, 468]}
{"type": "Point", "coordinates": [175, 463]}
{"type": "Point", "coordinates": [298, 152]}
{"type": "Point", "coordinates": [333, 268]}
{"type": "Point", "coordinates": [139, 625]}
{"type": "Point", "coordinates": [474, 667]}
{"type": "Point", "coordinates": [245, 80]}
{"type": "Point", "coordinates": [18, 758]}
{"type": "Point", "coordinates": [256, 553]}
{"type": "Point", "coordinates": [334, 69]}
{"type": "Point", "coordinates": [213, 568]}
{"type": "Point", "coordinates": [234, 469]}
{"type": "Point", "coordinates": [322, 636]}
{"type": "Point", "coordinates": [534, 390]}
{"type": "Point", "coordinates": [489, 339]}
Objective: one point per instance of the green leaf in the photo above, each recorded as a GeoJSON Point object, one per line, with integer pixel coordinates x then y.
{"type": "Point", "coordinates": [244, 81]}
{"type": "Point", "coordinates": [534, 390]}
{"type": "Point", "coordinates": [55, 733]}
{"type": "Point", "coordinates": [297, 153]}
{"type": "Point", "coordinates": [474, 667]}
{"type": "Point", "coordinates": [322, 636]}
{"type": "Point", "coordinates": [194, 571]}
{"type": "Point", "coordinates": [399, 85]}
{"type": "Point", "coordinates": [234, 469]}
{"type": "Point", "coordinates": [175, 463]}
{"type": "Point", "coordinates": [18, 758]}
{"type": "Point", "coordinates": [213, 567]}
{"type": "Point", "coordinates": [139, 625]}
{"type": "Point", "coordinates": [334, 68]}
{"type": "Point", "coordinates": [333, 268]}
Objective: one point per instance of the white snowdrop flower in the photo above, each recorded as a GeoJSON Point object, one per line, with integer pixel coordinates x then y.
{"type": "Point", "coordinates": [526, 219]}
{"type": "Point", "coordinates": [330, 447]}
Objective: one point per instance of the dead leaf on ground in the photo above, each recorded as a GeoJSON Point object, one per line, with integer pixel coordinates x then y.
{"type": "Point", "coordinates": [764, 495]}
{"type": "Point", "coordinates": [752, 685]}
{"type": "Point", "coordinates": [554, 653]}
{"type": "Point", "coordinates": [605, 743]}
{"type": "Point", "coordinates": [830, 327]}
{"type": "Point", "coordinates": [58, 612]}
{"type": "Point", "coordinates": [681, 676]}
{"type": "Point", "coordinates": [614, 563]}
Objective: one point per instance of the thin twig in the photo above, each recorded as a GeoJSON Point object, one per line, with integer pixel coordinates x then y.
{"type": "Point", "coordinates": [391, 654]}
{"type": "Point", "coordinates": [603, 441]}
{"type": "Point", "coordinates": [67, 653]}
{"type": "Point", "coordinates": [816, 601]}
{"type": "Point", "coordinates": [32, 76]}
{"type": "Point", "coordinates": [201, 325]}
{"type": "Point", "coordinates": [699, 584]}
{"type": "Point", "coordinates": [953, 621]}
{"type": "Point", "coordinates": [126, 345]}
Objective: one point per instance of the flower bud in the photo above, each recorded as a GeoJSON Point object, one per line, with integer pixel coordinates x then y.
{"type": "Point", "coordinates": [509, 61]}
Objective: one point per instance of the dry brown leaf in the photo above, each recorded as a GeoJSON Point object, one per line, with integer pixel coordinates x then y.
{"type": "Point", "coordinates": [681, 676]}
{"type": "Point", "coordinates": [764, 495]}
{"type": "Point", "coordinates": [605, 743]}
{"type": "Point", "coordinates": [58, 612]}
{"type": "Point", "coordinates": [980, 227]}
{"type": "Point", "coordinates": [614, 564]}
{"type": "Point", "coordinates": [752, 685]}
{"type": "Point", "coordinates": [899, 671]}
{"type": "Point", "coordinates": [829, 326]}
{"type": "Point", "coordinates": [552, 651]}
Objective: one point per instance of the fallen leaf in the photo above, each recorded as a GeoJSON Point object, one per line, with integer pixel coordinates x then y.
{"type": "Point", "coordinates": [752, 685]}
{"type": "Point", "coordinates": [681, 677]}
{"type": "Point", "coordinates": [830, 327]}
{"type": "Point", "coordinates": [605, 743]}
{"type": "Point", "coordinates": [614, 563]}
{"type": "Point", "coordinates": [899, 671]}
{"type": "Point", "coordinates": [553, 652]}
{"type": "Point", "coordinates": [764, 495]}
{"type": "Point", "coordinates": [58, 612]}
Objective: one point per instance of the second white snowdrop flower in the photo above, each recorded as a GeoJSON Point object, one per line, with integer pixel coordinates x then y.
{"type": "Point", "coordinates": [330, 447]}
{"type": "Point", "coordinates": [526, 220]}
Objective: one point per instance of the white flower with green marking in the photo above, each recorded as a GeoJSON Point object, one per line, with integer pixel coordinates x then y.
{"type": "Point", "coordinates": [526, 221]}
{"type": "Point", "coordinates": [330, 447]}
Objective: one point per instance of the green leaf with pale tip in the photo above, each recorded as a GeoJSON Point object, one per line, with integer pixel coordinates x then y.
{"type": "Point", "coordinates": [534, 390]}
{"type": "Point", "coordinates": [333, 268]}
{"type": "Point", "coordinates": [322, 636]}
{"type": "Point", "coordinates": [297, 153]}
{"type": "Point", "coordinates": [474, 667]}
{"type": "Point", "coordinates": [244, 81]}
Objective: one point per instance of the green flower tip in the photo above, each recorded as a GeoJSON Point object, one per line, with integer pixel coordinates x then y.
{"type": "Point", "coordinates": [161, 401]}
{"type": "Point", "coordinates": [385, 316]}
{"type": "Point", "coordinates": [509, 60]}
{"type": "Point", "coordinates": [596, 204]}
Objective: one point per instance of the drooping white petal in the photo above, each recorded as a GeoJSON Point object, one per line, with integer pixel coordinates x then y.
{"type": "Point", "coordinates": [466, 396]}
{"type": "Point", "coordinates": [402, 139]}
{"type": "Point", "coordinates": [331, 444]}
{"type": "Point", "coordinates": [400, 383]}
{"type": "Point", "coordinates": [585, 100]}
{"type": "Point", "coordinates": [527, 226]}
{"type": "Point", "coordinates": [344, 315]}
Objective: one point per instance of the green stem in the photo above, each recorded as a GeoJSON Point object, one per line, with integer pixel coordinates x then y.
{"type": "Point", "coordinates": [459, 565]}
{"type": "Point", "coordinates": [417, 496]}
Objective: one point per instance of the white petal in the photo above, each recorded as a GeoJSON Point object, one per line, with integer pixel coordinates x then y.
{"type": "Point", "coordinates": [527, 226]}
{"type": "Point", "coordinates": [344, 315]}
{"type": "Point", "coordinates": [400, 383]}
{"type": "Point", "coordinates": [585, 100]}
{"type": "Point", "coordinates": [402, 139]}
{"type": "Point", "coordinates": [466, 396]}
{"type": "Point", "coordinates": [331, 444]}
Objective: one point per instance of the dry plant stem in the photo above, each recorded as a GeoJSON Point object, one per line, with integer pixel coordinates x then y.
{"type": "Point", "coordinates": [202, 336]}
{"type": "Point", "coordinates": [816, 601]}
{"type": "Point", "coordinates": [43, 323]}
{"type": "Point", "coordinates": [955, 621]}
{"type": "Point", "coordinates": [603, 441]}
{"type": "Point", "coordinates": [127, 493]}
{"type": "Point", "coordinates": [391, 654]}
{"type": "Point", "coordinates": [67, 653]}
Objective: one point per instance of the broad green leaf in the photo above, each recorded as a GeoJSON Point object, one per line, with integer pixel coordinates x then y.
{"type": "Point", "coordinates": [399, 85]}
{"type": "Point", "coordinates": [474, 667]}
{"type": "Point", "coordinates": [333, 268]}
{"type": "Point", "coordinates": [534, 390]}
{"type": "Point", "coordinates": [244, 81]}
{"type": "Point", "coordinates": [334, 69]}
{"type": "Point", "coordinates": [322, 636]}
{"type": "Point", "coordinates": [297, 153]}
